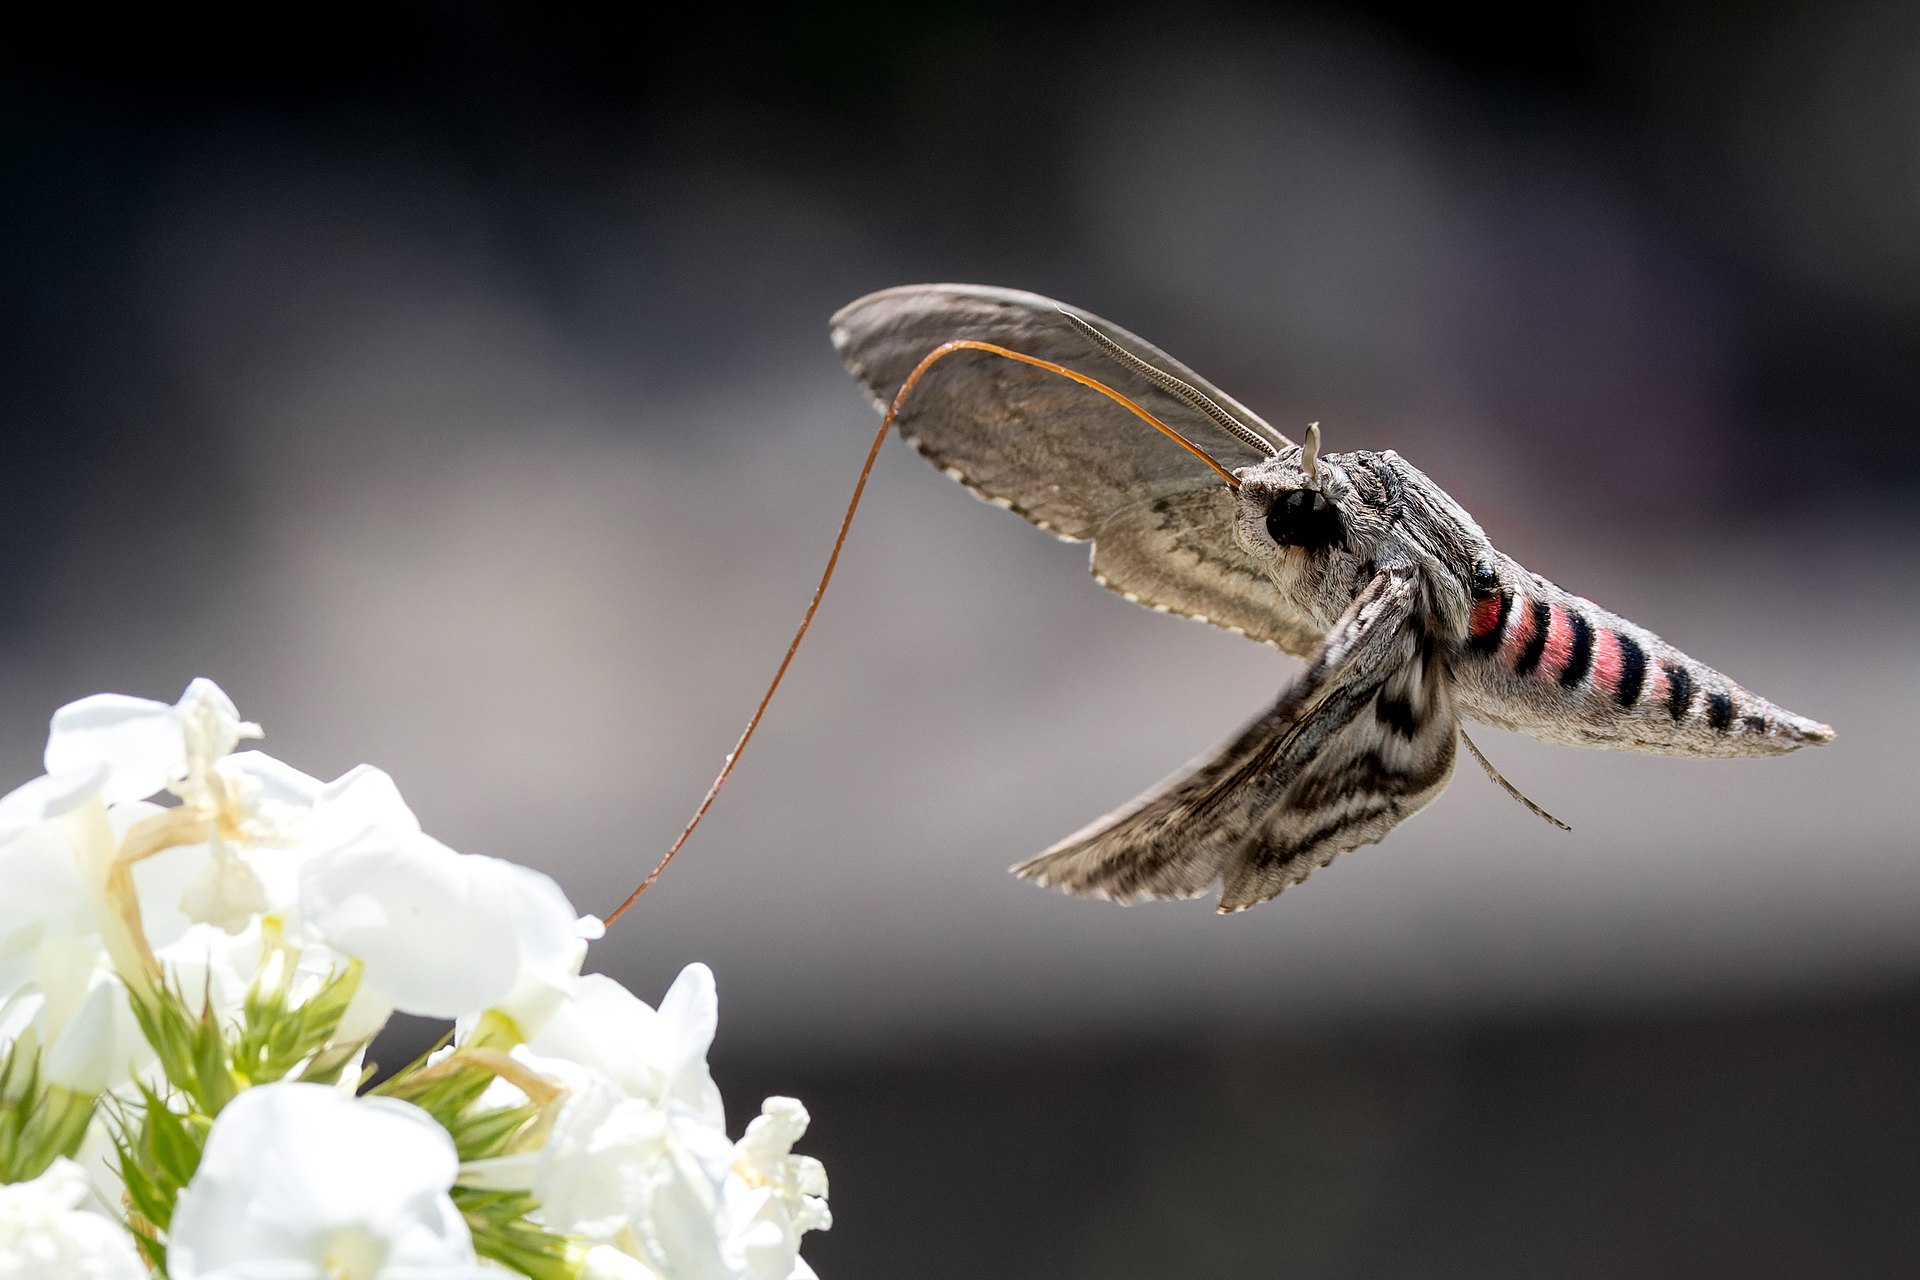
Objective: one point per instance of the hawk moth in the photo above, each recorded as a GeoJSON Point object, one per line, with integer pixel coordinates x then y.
{"type": "Point", "coordinates": [1408, 617]}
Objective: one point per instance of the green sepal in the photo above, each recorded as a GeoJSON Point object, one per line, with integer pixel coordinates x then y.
{"type": "Point", "coordinates": [481, 1135]}
{"type": "Point", "coordinates": [158, 1152]}
{"type": "Point", "coordinates": [191, 1046]}
{"type": "Point", "coordinates": [395, 1085]}
{"type": "Point", "coordinates": [39, 1121]}
{"type": "Point", "coordinates": [160, 1148]}
{"type": "Point", "coordinates": [442, 1096]}
{"type": "Point", "coordinates": [216, 1081]}
{"type": "Point", "coordinates": [277, 1038]}
{"type": "Point", "coordinates": [495, 1030]}
{"type": "Point", "coordinates": [331, 1063]}
{"type": "Point", "coordinates": [498, 1221]}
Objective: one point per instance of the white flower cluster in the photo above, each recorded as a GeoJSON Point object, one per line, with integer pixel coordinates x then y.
{"type": "Point", "coordinates": [186, 992]}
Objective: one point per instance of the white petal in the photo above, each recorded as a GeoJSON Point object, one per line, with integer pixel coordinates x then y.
{"type": "Point", "coordinates": [95, 1050]}
{"type": "Point", "coordinates": [436, 939]}
{"type": "Point", "coordinates": [64, 969]}
{"type": "Point", "coordinates": [45, 894]}
{"type": "Point", "coordinates": [608, 1029]}
{"type": "Point", "coordinates": [680, 1223]}
{"type": "Point", "coordinates": [600, 1160]}
{"type": "Point", "coordinates": [358, 801]}
{"type": "Point", "coordinates": [604, 1262]}
{"type": "Point", "coordinates": [210, 721]}
{"type": "Point", "coordinates": [304, 1174]}
{"type": "Point", "coordinates": [546, 937]}
{"type": "Point", "coordinates": [796, 1187]}
{"type": "Point", "coordinates": [44, 1232]}
{"type": "Point", "coordinates": [161, 883]}
{"type": "Point", "coordinates": [276, 784]}
{"type": "Point", "coordinates": [691, 1013]}
{"type": "Point", "coordinates": [656, 1055]}
{"type": "Point", "coordinates": [809, 1176]}
{"type": "Point", "coordinates": [20, 1006]}
{"type": "Point", "coordinates": [226, 894]}
{"type": "Point", "coordinates": [620, 1166]}
{"type": "Point", "coordinates": [139, 740]}
{"type": "Point", "coordinates": [49, 796]}
{"type": "Point", "coordinates": [202, 692]}
{"type": "Point", "coordinates": [763, 1235]}
{"type": "Point", "coordinates": [274, 804]}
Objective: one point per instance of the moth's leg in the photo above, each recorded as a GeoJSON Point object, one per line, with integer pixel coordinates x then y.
{"type": "Point", "coordinates": [1192, 829]}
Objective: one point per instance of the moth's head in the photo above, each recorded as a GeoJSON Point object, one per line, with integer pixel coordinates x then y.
{"type": "Point", "coordinates": [1303, 515]}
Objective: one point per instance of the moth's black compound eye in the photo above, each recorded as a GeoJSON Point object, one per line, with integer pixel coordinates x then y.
{"type": "Point", "coordinates": [1304, 518]}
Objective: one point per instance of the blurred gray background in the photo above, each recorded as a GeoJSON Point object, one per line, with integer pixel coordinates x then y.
{"type": "Point", "coordinates": [451, 383]}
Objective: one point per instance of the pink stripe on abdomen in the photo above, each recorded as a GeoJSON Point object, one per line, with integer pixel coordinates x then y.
{"type": "Point", "coordinates": [1519, 631]}
{"type": "Point", "coordinates": [1606, 661]}
{"type": "Point", "coordinates": [1559, 645]}
{"type": "Point", "coordinates": [1656, 683]}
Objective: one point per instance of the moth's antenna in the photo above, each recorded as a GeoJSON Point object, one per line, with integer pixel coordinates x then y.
{"type": "Point", "coordinates": [840, 540]}
{"type": "Point", "coordinates": [1310, 453]}
{"type": "Point", "coordinates": [1508, 787]}
{"type": "Point", "coordinates": [1171, 385]}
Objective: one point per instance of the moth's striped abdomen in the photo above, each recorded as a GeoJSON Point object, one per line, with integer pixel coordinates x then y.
{"type": "Point", "coordinates": [1554, 665]}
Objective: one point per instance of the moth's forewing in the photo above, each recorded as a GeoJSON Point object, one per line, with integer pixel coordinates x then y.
{"type": "Point", "coordinates": [1066, 458]}
{"type": "Point", "coordinates": [1063, 457]}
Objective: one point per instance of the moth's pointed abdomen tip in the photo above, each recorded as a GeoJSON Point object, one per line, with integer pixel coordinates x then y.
{"type": "Point", "coordinates": [1799, 731]}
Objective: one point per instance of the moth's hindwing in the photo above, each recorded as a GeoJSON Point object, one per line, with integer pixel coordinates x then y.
{"type": "Point", "coordinates": [1362, 740]}
{"type": "Point", "coordinates": [1392, 759]}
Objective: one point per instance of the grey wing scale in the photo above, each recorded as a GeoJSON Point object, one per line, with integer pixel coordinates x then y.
{"type": "Point", "coordinates": [1361, 741]}
{"type": "Point", "coordinates": [1069, 459]}
{"type": "Point", "coordinates": [1177, 554]}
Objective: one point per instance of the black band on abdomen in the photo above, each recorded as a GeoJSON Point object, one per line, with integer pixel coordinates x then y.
{"type": "Point", "coordinates": [1580, 658]}
{"type": "Point", "coordinates": [1633, 669]}
{"type": "Point", "coordinates": [1679, 690]}
{"type": "Point", "coordinates": [1537, 642]}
